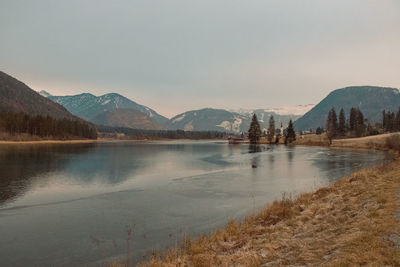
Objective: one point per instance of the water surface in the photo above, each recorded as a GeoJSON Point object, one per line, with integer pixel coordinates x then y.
{"type": "Point", "coordinates": [73, 205]}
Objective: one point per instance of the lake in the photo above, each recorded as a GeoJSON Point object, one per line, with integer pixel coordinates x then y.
{"type": "Point", "coordinates": [75, 204]}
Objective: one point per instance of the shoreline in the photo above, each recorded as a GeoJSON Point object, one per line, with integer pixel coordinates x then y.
{"type": "Point", "coordinates": [351, 222]}
{"type": "Point", "coordinates": [88, 141]}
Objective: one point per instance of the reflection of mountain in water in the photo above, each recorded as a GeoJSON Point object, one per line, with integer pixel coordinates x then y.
{"type": "Point", "coordinates": [111, 163]}
{"type": "Point", "coordinates": [21, 165]}
{"type": "Point", "coordinates": [107, 163]}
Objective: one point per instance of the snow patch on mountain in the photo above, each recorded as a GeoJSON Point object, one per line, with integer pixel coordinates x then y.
{"type": "Point", "coordinates": [298, 110]}
{"type": "Point", "coordinates": [189, 126]}
{"type": "Point", "coordinates": [236, 124]}
{"type": "Point", "coordinates": [226, 125]}
{"type": "Point", "coordinates": [179, 118]}
{"type": "Point", "coordinates": [291, 110]}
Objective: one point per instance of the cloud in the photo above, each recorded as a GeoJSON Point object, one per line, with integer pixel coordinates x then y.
{"type": "Point", "coordinates": [178, 55]}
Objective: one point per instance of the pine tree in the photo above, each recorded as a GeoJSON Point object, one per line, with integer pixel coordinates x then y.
{"type": "Point", "coordinates": [353, 119]}
{"type": "Point", "coordinates": [342, 123]}
{"type": "Point", "coordinates": [384, 123]}
{"type": "Point", "coordinates": [331, 125]}
{"type": "Point", "coordinates": [397, 124]}
{"type": "Point", "coordinates": [360, 124]}
{"type": "Point", "coordinates": [271, 129]}
{"type": "Point", "coordinates": [254, 131]}
{"type": "Point", "coordinates": [290, 135]}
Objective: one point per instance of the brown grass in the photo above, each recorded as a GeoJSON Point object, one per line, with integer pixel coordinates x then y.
{"type": "Point", "coordinates": [352, 222]}
{"type": "Point", "coordinates": [393, 142]}
{"type": "Point", "coordinates": [377, 142]}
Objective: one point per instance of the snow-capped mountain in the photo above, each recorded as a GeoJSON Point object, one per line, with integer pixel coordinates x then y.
{"type": "Point", "coordinates": [209, 119]}
{"type": "Point", "coordinates": [282, 115]}
{"type": "Point", "coordinates": [298, 110]}
{"type": "Point", "coordinates": [89, 106]}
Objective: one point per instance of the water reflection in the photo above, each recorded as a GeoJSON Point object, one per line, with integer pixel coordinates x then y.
{"type": "Point", "coordinates": [21, 165]}
{"type": "Point", "coordinates": [55, 200]}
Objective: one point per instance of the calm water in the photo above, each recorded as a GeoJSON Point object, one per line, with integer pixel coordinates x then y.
{"type": "Point", "coordinates": [69, 205]}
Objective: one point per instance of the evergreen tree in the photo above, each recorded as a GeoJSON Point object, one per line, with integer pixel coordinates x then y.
{"type": "Point", "coordinates": [397, 124]}
{"type": "Point", "coordinates": [290, 134]}
{"type": "Point", "coordinates": [47, 127]}
{"type": "Point", "coordinates": [271, 129]}
{"type": "Point", "coordinates": [331, 125]}
{"type": "Point", "coordinates": [360, 124]}
{"type": "Point", "coordinates": [254, 131]}
{"type": "Point", "coordinates": [353, 119]}
{"type": "Point", "coordinates": [384, 123]}
{"type": "Point", "coordinates": [342, 123]}
{"type": "Point", "coordinates": [389, 121]}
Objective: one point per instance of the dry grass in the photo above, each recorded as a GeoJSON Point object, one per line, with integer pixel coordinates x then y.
{"type": "Point", "coordinates": [352, 222]}
{"type": "Point", "coordinates": [393, 142]}
{"type": "Point", "coordinates": [378, 142]}
{"type": "Point", "coordinates": [312, 140]}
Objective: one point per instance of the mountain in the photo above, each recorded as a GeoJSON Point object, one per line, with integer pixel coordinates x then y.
{"type": "Point", "coordinates": [15, 96]}
{"type": "Point", "coordinates": [92, 108]}
{"type": "Point", "coordinates": [130, 118]}
{"type": "Point", "coordinates": [298, 110]}
{"type": "Point", "coordinates": [371, 100]}
{"type": "Point", "coordinates": [209, 119]}
{"type": "Point", "coordinates": [263, 116]}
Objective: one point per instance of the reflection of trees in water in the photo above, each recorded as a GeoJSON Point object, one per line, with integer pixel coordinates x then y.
{"type": "Point", "coordinates": [255, 160]}
{"type": "Point", "coordinates": [115, 162]}
{"type": "Point", "coordinates": [19, 164]}
{"type": "Point", "coordinates": [290, 154]}
{"type": "Point", "coordinates": [108, 163]}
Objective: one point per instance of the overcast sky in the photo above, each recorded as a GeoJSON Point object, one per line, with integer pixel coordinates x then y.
{"type": "Point", "coordinates": [179, 55]}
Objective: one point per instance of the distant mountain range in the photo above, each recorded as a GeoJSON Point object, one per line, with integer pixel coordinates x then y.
{"type": "Point", "coordinates": [124, 117]}
{"type": "Point", "coordinates": [209, 119]}
{"type": "Point", "coordinates": [110, 110]}
{"type": "Point", "coordinates": [15, 96]}
{"type": "Point", "coordinates": [371, 100]}
{"type": "Point", "coordinates": [118, 111]}
{"type": "Point", "coordinates": [298, 110]}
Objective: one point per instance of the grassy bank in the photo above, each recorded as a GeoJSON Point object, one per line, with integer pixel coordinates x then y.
{"type": "Point", "coordinates": [379, 142]}
{"type": "Point", "coordinates": [352, 222]}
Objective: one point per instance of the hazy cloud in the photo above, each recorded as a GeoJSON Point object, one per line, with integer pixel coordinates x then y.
{"type": "Point", "coordinates": [177, 55]}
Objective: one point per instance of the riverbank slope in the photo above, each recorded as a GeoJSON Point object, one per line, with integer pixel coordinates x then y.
{"type": "Point", "coordinates": [369, 142]}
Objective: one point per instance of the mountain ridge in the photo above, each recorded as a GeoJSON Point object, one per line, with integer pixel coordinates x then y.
{"type": "Point", "coordinates": [371, 100]}
{"type": "Point", "coordinates": [90, 107]}
{"type": "Point", "coordinates": [16, 96]}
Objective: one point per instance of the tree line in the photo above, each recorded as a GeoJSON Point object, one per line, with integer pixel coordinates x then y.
{"type": "Point", "coordinates": [124, 132]}
{"type": "Point", "coordinates": [45, 126]}
{"type": "Point", "coordinates": [391, 121]}
{"type": "Point", "coordinates": [357, 125]}
{"type": "Point", "coordinates": [254, 132]}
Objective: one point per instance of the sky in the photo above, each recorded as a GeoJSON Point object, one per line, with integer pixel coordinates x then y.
{"type": "Point", "coordinates": [181, 55]}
